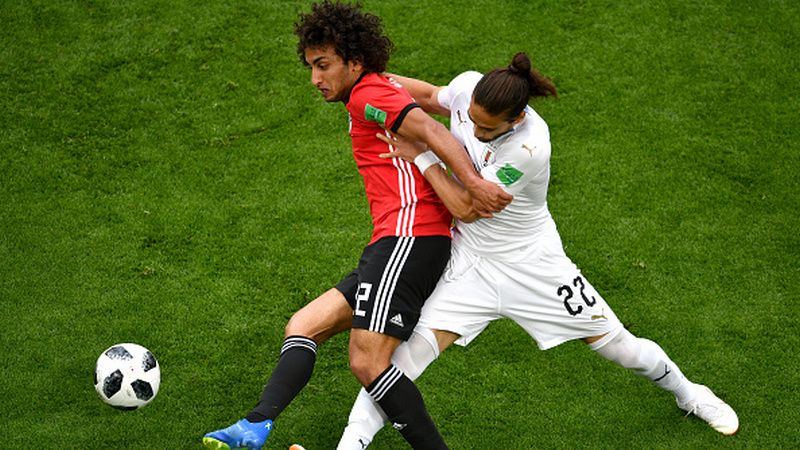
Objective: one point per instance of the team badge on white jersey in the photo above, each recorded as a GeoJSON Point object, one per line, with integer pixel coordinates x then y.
{"type": "Point", "coordinates": [488, 156]}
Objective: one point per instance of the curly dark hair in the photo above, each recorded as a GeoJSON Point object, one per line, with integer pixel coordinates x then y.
{"type": "Point", "coordinates": [357, 36]}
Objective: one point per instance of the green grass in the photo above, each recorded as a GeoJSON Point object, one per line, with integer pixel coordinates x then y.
{"type": "Point", "coordinates": [170, 178]}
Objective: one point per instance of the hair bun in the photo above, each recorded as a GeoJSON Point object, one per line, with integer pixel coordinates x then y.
{"type": "Point", "coordinates": [520, 63]}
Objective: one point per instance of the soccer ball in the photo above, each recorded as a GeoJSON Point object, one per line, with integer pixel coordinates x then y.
{"type": "Point", "coordinates": [127, 376]}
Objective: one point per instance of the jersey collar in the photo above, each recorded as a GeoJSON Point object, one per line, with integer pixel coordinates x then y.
{"type": "Point", "coordinates": [346, 98]}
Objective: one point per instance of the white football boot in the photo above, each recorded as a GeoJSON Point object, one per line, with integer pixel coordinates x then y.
{"type": "Point", "coordinates": [710, 408]}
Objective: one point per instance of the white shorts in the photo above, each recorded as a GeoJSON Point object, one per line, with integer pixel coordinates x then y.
{"type": "Point", "coordinates": [544, 292]}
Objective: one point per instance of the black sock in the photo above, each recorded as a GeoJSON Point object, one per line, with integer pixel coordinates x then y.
{"type": "Point", "coordinates": [403, 404]}
{"type": "Point", "coordinates": [289, 377]}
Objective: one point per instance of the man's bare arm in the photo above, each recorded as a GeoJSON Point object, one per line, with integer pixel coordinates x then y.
{"type": "Point", "coordinates": [456, 199]}
{"type": "Point", "coordinates": [418, 126]}
{"type": "Point", "coordinates": [426, 94]}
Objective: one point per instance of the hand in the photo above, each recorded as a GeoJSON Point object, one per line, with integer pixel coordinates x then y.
{"type": "Point", "coordinates": [488, 197]}
{"type": "Point", "coordinates": [405, 149]}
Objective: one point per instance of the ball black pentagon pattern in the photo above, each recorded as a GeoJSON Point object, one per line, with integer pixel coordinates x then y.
{"type": "Point", "coordinates": [118, 352]}
{"type": "Point", "coordinates": [142, 389]}
{"type": "Point", "coordinates": [148, 361]}
{"type": "Point", "coordinates": [112, 384]}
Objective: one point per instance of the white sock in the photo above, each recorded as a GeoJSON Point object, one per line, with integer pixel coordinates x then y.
{"type": "Point", "coordinates": [646, 358]}
{"type": "Point", "coordinates": [366, 417]}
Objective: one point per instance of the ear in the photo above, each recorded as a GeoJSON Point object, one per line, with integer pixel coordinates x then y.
{"type": "Point", "coordinates": [519, 118]}
{"type": "Point", "coordinates": [355, 66]}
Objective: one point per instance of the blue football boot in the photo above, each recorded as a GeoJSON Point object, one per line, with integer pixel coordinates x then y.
{"type": "Point", "coordinates": [242, 434]}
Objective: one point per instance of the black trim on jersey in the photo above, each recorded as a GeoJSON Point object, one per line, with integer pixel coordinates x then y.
{"type": "Point", "coordinates": [402, 115]}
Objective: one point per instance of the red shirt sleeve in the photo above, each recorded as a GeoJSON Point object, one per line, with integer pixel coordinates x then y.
{"type": "Point", "coordinates": [381, 101]}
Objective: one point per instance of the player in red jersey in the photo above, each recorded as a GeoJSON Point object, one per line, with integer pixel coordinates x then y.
{"type": "Point", "coordinates": [379, 301]}
{"type": "Point", "coordinates": [402, 202]}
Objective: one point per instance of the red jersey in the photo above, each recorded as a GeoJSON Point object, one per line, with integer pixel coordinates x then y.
{"type": "Point", "coordinates": [401, 201]}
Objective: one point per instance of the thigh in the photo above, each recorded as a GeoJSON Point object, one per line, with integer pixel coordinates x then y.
{"type": "Point", "coordinates": [377, 347]}
{"type": "Point", "coordinates": [323, 317]}
{"type": "Point", "coordinates": [465, 301]}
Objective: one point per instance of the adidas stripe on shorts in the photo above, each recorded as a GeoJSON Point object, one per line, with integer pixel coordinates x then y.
{"type": "Point", "coordinates": [392, 281]}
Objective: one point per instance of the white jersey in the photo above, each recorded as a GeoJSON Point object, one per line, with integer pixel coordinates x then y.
{"type": "Point", "coordinates": [512, 265]}
{"type": "Point", "coordinates": [518, 161]}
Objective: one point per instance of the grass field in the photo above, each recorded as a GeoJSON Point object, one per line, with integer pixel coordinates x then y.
{"type": "Point", "coordinates": [171, 178]}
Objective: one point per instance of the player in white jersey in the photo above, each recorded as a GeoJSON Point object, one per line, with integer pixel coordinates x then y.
{"type": "Point", "coordinates": [513, 265]}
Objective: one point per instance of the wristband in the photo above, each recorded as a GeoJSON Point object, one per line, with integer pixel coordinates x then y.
{"type": "Point", "coordinates": [426, 159]}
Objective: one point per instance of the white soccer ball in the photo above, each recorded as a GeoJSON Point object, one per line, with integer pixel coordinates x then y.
{"type": "Point", "coordinates": [127, 376]}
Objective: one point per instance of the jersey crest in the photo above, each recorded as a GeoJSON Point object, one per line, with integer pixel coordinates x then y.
{"type": "Point", "coordinates": [488, 155]}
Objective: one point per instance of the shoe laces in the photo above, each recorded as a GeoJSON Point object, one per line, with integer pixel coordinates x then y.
{"type": "Point", "coordinates": [708, 410]}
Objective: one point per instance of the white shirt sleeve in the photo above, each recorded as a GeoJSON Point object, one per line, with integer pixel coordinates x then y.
{"type": "Point", "coordinates": [518, 165]}
{"type": "Point", "coordinates": [463, 83]}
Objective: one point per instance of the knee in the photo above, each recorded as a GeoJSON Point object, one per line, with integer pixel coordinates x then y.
{"type": "Point", "coordinates": [324, 317]}
{"type": "Point", "coordinates": [414, 355]}
{"type": "Point", "coordinates": [296, 327]}
{"type": "Point", "coordinates": [370, 354]}
{"type": "Point", "coordinates": [622, 349]}
{"type": "Point", "coordinates": [309, 326]}
{"type": "Point", "coordinates": [632, 352]}
{"type": "Point", "coordinates": [366, 365]}
{"type": "Point", "coordinates": [315, 326]}
{"type": "Point", "coordinates": [364, 368]}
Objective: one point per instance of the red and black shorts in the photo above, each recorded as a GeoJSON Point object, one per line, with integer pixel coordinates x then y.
{"type": "Point", "coordinates": [392, 281]}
